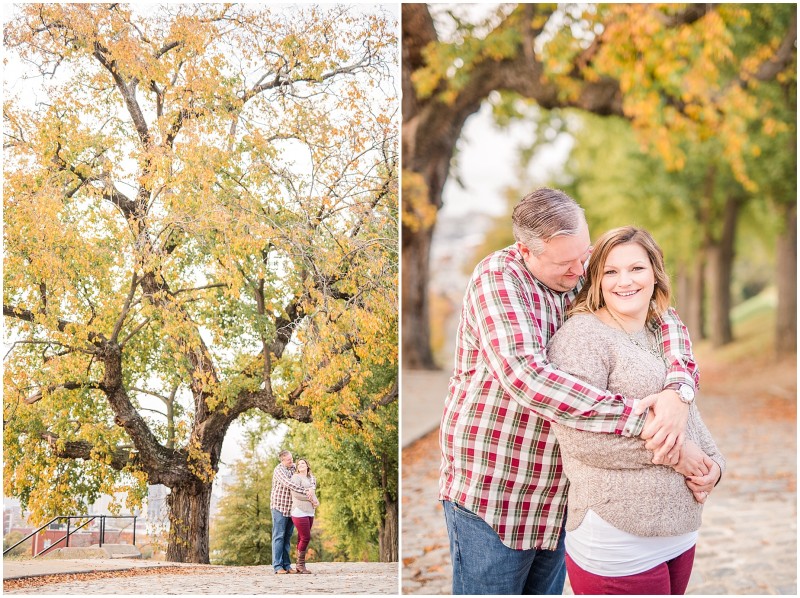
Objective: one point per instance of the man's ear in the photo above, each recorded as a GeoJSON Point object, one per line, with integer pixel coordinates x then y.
{"type": "Point", "coordinates": [523, 249]}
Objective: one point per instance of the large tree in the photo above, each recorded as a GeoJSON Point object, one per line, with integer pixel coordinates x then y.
{"type": "Point", "coordinates": [200, 211]}
{"type": "Point", "coordinates": [667, 68]}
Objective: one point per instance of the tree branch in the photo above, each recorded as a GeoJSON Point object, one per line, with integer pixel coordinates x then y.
{"type": "Point", "coordinates": [783, 57]}
{"type": "Point", "coordinates": [27, 315]}
{"type": "Point", "coordinates": [689, 15]}
{"type": "Point", "coordinates": [39, 394]}
{"type": "Point", "coordinates": [83, 449]}
{"type": "Point", "coordinates": [128, 92]}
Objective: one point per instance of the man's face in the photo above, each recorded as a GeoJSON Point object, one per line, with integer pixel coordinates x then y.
{"type": "Point", "coordinates": [560, 265]}
{"type": "Point", "coordinates": [286, 460]}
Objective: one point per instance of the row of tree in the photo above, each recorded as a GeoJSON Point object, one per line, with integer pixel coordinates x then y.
{"type": "Point", "coordinates": [709, 91]}
{"type": "Point", "coordinates": [201, 220]}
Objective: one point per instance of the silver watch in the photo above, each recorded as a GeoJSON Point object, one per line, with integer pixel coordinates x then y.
{"type": "Point", "coordinates": [686, 393]}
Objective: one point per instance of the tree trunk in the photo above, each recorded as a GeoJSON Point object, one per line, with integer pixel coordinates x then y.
{"type": "Point", "coordinates": [786, 317]}
{"type": "Point", "coordinates": [720, 268]}
{"type": "Point", "coordinates": [698, 292]}
{"type": "Point", "coordinates": [416, 337]}
{"type": "Point", "coordinates": [388, 538]}
{"type": "Point", "coordinates": [690, 297]}
{"type": "Point", "coordinates": [189, 507]}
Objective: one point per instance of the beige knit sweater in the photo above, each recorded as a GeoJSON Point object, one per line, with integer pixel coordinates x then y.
{"type": "Point", "coordinates": [614, 475]}
{"type": "Point", "coordinates": [299, 499]}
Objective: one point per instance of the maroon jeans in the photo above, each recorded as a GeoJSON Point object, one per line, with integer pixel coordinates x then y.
{"type": "Point", "coordinates": [670, 578]}
{"type": "Point", "coordinates": [303, 525]}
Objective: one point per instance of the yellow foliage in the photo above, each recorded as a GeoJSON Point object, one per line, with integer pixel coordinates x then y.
{"type": "Point", "coordinates": [197, 185]}
{"type": "Point", "coordinates": [418, 211]}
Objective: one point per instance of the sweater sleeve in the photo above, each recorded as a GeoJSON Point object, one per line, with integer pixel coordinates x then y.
{"type": "Point", "coordinates": [698, 430]}
{"type": "Point", "coordinates": [284, 478]}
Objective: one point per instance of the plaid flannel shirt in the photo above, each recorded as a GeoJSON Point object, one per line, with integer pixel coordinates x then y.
{"type": "Point", "coordinates": [280, 497]}
{"type": "Point", "coordinates": [499, 459]}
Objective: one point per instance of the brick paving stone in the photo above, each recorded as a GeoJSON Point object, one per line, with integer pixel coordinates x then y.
{"type": "Point", "coordinates": [328, 578]}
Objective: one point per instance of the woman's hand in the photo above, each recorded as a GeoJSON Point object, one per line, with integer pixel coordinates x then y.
{"type": "Point", "coordinates": [701, 486]}
{"type": "Point", "coordinates": [693, 461]}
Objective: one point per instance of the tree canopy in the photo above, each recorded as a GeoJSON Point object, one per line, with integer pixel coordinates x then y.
{"type": "Point", "coordinates": [200, 219]}
{"type": "Point", "coordinates": [684, 75]}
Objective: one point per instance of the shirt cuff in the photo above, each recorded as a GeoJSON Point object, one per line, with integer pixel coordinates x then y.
{"type": "Point", "coordinates": [676, 378]}
{"type": "Point", "coordinates": [633, 424]}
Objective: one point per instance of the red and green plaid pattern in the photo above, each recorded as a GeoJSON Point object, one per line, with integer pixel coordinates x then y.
{"type": "Point", "coordinates": [280, 497]}
{"type": "Point", "coordinates": [499, 459]}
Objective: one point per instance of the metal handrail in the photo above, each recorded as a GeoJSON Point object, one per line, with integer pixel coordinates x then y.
{"type": "Point", "coordinates": [69, 533]}
{"type": "Point", "coordinates": [9, 549]}
{"type": "Point", "coordinates": [89, 519]}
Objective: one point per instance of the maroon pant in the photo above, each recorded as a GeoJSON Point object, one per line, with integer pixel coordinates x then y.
{"type": "Point", "coordinates": [667, 578]}
{"type": "Point", "coordinates": [303, 525]}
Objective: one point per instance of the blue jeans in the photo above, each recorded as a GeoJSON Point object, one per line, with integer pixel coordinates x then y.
{"type": "Point", "coordinates": [282, 529]}
{"type": "Point", "coordinates": [482, 564]}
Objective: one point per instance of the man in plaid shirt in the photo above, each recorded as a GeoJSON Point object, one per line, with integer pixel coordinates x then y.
{"type": "Point", "coordinates": [280, 502]}
{"type": "Point", "coordinates": [501, 483]}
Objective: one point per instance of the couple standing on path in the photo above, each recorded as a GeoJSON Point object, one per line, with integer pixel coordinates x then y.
{"type": "Point", "coordinates": [573, 446]}
{"type": "Point", "coordinates": [293, 502]}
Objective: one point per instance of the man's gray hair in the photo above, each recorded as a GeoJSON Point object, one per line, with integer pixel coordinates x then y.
{"type": "Point", "coordinates": [544, 215]}
{"type": "Point", "coordinates": [283, 453]}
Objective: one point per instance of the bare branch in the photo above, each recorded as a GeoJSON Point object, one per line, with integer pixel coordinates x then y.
{"type": "Point", "coordinates": [167, 47]}
{"type": "Point", "coordinates": [218, 285]}
{"type": "Point", "coordinates": [135, 331]}
{"type": "Point", "coordinates": [125, 308]}
{"type": "Point", "coordinates": [165, 400]}
{"type": "Point", "coordinates": [128, 91]}
{"type": "Point", "coordinates": [689, 15]}
{"type": "Point", "coordinates": [27, 315]}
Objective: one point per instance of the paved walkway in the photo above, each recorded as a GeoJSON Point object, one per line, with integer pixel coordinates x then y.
{"type": "Point", "coordinates": [423, 393]}
{"type": "Point", "coordinates": [748, 542]}
{"type": "Point", "coordinates": [123, 576]}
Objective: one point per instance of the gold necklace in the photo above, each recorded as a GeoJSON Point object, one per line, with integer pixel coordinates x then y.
{"type": "Point", "coordinates": [650, 349]}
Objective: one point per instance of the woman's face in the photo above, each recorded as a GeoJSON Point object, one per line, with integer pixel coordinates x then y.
{"type": "Point", "coordinates": [302, 466]}
{"type": "Point", "coordinates": [628, 280]}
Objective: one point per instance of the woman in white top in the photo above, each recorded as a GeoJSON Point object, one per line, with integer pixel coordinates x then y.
{"type": "Point", "coordinates": [631, 525]}
{"type": "Point", "coordinates": [302, 513]}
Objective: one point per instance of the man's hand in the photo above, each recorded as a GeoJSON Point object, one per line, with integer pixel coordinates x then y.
{"type": "Point", "coordinates": [701, 486]}
{"type": "Point", "coordinates": [666, 430]}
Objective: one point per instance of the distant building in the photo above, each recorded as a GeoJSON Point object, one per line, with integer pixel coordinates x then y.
{"type": "Point", "coordinates": [156, 510]}
{"type": "Point", "coordinates": [13, 517]}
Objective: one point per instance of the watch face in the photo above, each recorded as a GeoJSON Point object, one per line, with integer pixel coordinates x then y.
{"type": "Point", "coordinates": [687, 394]}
